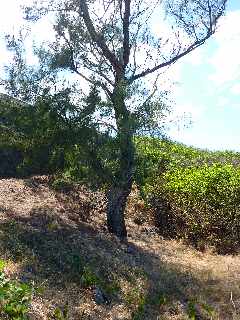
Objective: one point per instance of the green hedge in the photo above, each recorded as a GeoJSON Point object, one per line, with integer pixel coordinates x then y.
{"type": "Point", "coordinates": [155, 156]}
{"type": "Point", "coordinates": [199, 204]}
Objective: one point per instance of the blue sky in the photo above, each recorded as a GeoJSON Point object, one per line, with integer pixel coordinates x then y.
{"type": "Point", "coordinates": [209, 88]}
{"type": "Point", "coordinates": [207, 82]}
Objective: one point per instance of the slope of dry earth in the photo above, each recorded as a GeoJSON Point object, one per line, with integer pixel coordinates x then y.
{"type": "Point", "coordinates": [59, 241]}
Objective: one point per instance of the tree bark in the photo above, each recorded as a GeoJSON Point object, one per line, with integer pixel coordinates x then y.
{"type": "Point", "coordinates": [117, 199]}
{"type": "Point", "coordinates": [122, 184]}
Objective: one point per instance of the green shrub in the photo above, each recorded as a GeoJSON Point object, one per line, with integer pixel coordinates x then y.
{"type": "Point", "coordinates": [61, 183]}
{"type": "Point", "coordinates": [155, 156]}
{"type": "Point", "coordinates": [15, 297]}
{"type": "Point", "coordinates": [199, 204]}
{"type": "Point", "coordinates": [10, 158]}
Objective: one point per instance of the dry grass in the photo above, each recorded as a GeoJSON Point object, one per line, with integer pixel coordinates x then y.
{"type": "Point", "coordinates": [58, 239]}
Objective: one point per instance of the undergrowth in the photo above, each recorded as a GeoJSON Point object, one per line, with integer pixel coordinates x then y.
{"type": "Point", "coordinates": [15, 297]}
{"type": "Point", "coordinates": [194, 194]}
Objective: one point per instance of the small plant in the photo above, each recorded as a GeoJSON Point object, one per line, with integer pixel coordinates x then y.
{"type": "Point", "coordinates": [159, 300]}
{"type": "Point", "coordinates": [61, 184]}
{"type": "Point", "coordinates": [140, 302]}
{"type": "Point", "coordinates": [89, 278]}
{"type": "Point", "coordinates": [136, 300]}
{"type": "Point", "coordinates": [15, 297]}
{"type": "Point", "coordinates": [111, 288]}
{"type": "Point", "coordinates": [192, 310]}
{"type": "Point", "coordinates": [76, 263]}
{"type": "Point", "coordinates": [138, 314]}
{"type": "Point", "coordinates": [61, 314]}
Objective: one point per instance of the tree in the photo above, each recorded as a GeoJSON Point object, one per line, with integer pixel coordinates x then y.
{"type": "Point", "coordinates": [111, 45]}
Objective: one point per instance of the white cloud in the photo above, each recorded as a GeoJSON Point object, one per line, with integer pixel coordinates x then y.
{"type": "Point", "coordinates": [11, 22]}
{"type": "Point", "coordinates": [222, 102]}
{"type": "Point", "coordinates": [235, 89]}
{"type": "Point", "coordinates": [9, 15]}
{"type": "Point", "coordinates": [225, 59]}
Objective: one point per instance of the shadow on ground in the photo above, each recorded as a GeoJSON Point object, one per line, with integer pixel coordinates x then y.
{"type": "Point", "coordinates": [71, 261]}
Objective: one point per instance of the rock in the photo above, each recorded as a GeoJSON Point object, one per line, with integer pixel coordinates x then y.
{"type": "Point", "coordinates": [100, 297]}
{"type": "Point", "coordinates": [130, 249]}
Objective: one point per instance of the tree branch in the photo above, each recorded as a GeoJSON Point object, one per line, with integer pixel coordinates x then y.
{"type": "Point", "coordinates": [192, 47]}
{"type": "Point", "coordinates": [102, 85]}
{"type": "Point", "coordinates": [126, 22]}
{"type": "Point", "coordinates": [74, 68]}
{"type": "Point", "coordinates": [98, 38]}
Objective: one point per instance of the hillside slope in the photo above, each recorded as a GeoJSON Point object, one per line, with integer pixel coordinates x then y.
{"type": "Point", "coordinates": [58, 239]}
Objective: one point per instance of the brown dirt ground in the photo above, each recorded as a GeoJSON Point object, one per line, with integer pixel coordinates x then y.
{"type": "Point", "coordinates": [56, 239]}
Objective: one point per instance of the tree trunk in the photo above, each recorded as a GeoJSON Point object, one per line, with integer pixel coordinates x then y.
{"type": "Point", "coordinates": [117, 199]}
{"type": "Point", "coordinates": [122, 185]}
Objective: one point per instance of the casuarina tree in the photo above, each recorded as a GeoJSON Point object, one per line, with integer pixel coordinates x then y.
{"type": "Point", "coordinates": [112, 45]}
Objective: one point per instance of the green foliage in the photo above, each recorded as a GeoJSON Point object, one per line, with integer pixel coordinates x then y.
{"type": "Point", "coordinates": [89, 278]}
{"type": "Point", "coordinates": [61, 183]}
{"type": "Point", "coordinates": [53, 135]}
{"type": "Point", "coordinates": [61, 313]}
{"type": "Point", "coordinates": [195, 194]}
{"type": "Point", "coordinates": [137, 301]}
{"type": "Point", "coordinates": [15, 297]}
{"type": "Point", "coordinates": [155, 156]}
{"type": "Point", "coordinates": [194, 308]}
{"type": "Point", "coordinates": [10, 158]}
{"type": "Point", "coordinates": [159, 299]}
{"type": "Point", "coordinates": [35, 136]}
{"type": "Point", "coordinates": [2, 265]}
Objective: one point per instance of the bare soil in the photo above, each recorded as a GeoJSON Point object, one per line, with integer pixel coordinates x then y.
{"type": "Point", "coordinates": [58, 240]}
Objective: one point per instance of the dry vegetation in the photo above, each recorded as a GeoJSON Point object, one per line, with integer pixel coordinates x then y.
{"type": "Point", "coordinates": [58, 240]}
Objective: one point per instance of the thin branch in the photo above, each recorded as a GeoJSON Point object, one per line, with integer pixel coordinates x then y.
{"type": "Point", "coordinates": [102, 85]}
{"type": "Point", "coordinates": [172, 60]}
{"type": "Point", "coordinates": [210, 16]}
{"type": "Point", "coordinates": [104, 123]}
{"type": "Point", "coordinates": [74, 68]}
{"type": "Point", "coordinates": [98, 37]}
{"type": "Point", "coordinates": [155, 88]}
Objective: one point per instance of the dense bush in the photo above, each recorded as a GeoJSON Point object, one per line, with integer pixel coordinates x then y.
{"type": "Point", "coordinates": [52, 136]}
{"type": "Point", "coordinates": [155, 156]}
{"type": "Point", "coordinates": [28, 138]}
{"type": "Point", "coordinates": [199, 204]}
{"type": "Point", "coordinates": [10, 158]}
{"type": "Point", "coordinates": [194, 193]}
